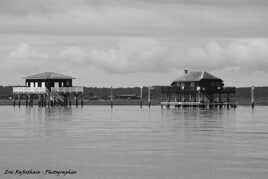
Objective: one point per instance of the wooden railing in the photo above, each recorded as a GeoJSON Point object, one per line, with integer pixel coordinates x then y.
{"type": "Point", "coordinates": [43, 90]}
{"type": "Point", "coordinates": [29, 90]}
{"type": "Point", "coordinates": [74, 89]}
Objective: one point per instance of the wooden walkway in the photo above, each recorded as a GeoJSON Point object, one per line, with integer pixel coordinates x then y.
{"type": "Point", "coordinates": [168, 104]}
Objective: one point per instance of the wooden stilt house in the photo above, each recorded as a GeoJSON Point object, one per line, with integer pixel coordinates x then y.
{"type": "Point", "coordinates": [49, 88]}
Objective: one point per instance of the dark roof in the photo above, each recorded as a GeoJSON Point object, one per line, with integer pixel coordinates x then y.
{"type": "Point", "coordinates": [195, 76]}
{"type": "Point", "coordinates": [49, 75]}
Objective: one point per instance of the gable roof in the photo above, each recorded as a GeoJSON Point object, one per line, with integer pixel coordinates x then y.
{"type": "Point", "coordinates": [196, 76]}
{"type": "Point", "coordinates": [49, 75]}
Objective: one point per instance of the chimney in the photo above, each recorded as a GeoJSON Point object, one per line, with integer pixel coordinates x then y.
{"type": "Point", "coordinates": [185, 71]}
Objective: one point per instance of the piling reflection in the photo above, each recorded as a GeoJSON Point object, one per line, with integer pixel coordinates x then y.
{"type": "Point", "coordinates": [46, 113]}
{"type": "Point", "coordinates": [201, 119]}
{"type": "Point", "coordinates": [127, 141]}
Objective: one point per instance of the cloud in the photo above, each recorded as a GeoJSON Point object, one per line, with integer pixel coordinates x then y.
{"type": "Point", "coordinates": [26, 58]}
{"type": "Point", "coordinates": [133, 37]}
{"type": "Point", "coordinates": [24, 50]}
{"type": "Point", "coordinates": [150, 55]}
{"type": "Point", "coordinates": [73, 54]}
{"type": "Point", "coordinates": [35, 7]}
{"type": "Point", "coordinates": [136, 57]}
{"type": "Point", "coordinates": [38, 7]}
{"type": "Point", "coordinates": [135, 18]}
{"type": "Point", "coordinates": [129, 56]}
{"type": "Point", "coordinates": [247, 55]}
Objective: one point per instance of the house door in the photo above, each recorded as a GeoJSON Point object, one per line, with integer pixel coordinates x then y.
{"type": "Point", "coordinates": [56, 84]}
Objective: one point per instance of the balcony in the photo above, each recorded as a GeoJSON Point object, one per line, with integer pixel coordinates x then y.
{"type": "Point", "coordinates": [29, 90]}
{"type": "Point", "coordinates": [43, 90]}
{"type": "Point", "coordinates": [74, 89]}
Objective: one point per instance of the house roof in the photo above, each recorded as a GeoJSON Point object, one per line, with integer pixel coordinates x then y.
{"type": "Point", "coordinates": [196, 76]}
{"type": "Point", "coordinates": [49, 75]}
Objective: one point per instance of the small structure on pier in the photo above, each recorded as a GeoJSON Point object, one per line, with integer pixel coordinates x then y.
{"type": "Point", "coordinates": [48, 88]}
{"type": "Point", "coordinates": [197, 89]}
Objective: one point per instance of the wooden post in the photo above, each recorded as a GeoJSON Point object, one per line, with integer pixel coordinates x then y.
{"type": "Point", "coordinates": [65, 102]}
{"type": "Point", "coordinates": [19, 99]}
{"type": "Point", "coordinates": [111, 97]}
{"type": "Point", "coordinates": [39, 100]}
{"type": "Point", "coordinates": [220, 101]}
{"type": "Point", "coordinates": [76, 100]}
{"type": "Point", "coordinates": [42, 100]}
{"type": "Point", "coordinates": [14, 100]}
{"type": "Point", "coordinates": [45, 100]}
{"type": "Point", "coordinates": [252, 97]}
{"type": "Point", "coordinates": [48, 102]}
{"type": "Point", "coordinates": [27, 100]}
{"type": "Point", "coordinates": [70, 99]}
{"type": "Point", "coordinates": [141, 97]}
{"type": "Point", "coordinates": [149, 96]}
{"type": "Point", "coordinates": [82, 102]}
{"type": "Point", "coordinates": [31, 99]}
{"type": "Point", "coordinates": [54, 101]}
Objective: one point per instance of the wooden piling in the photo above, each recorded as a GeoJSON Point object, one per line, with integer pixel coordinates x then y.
{"type": "Point", "coordinates": [27, 100]}
{"type": "Point", "coordinates": [19, 100]}
{"type": "Point", "coordinates": [252, 97]}
{"type": "Point", "coordinates": [149, 96]}
{"type": "Point", "coordinates": [141, 97]}
{"type": "Point", "coordinates": [14, 100]}
{"type": "Point", "coordinates": [70, 100]}
{"type": "Point", "coordinates": [82, 102]}
{"type": "Point", "coordinates": [76, 100]}
{"type": "Point", "coordinates": [111, 97]}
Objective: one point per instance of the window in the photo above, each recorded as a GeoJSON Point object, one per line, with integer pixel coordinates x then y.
{"type": "Point", "coordinates": [218, 84]}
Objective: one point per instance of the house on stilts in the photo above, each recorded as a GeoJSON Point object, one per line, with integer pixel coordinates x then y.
{"type": "Point", "coordinates": [197, 89]}
{"type": "Point", "coordinates": [48, 88]}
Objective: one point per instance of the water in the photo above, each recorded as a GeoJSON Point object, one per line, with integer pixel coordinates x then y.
{"type": "Point", "coordinates": [127, 142]}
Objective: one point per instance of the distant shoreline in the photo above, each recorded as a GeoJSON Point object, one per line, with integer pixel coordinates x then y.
{"type": "Point", "coordinates": [93, 102]}
{"type": "Point", "coordinates": [242, 96]}
{"type": "Point", "coordinates": [87, 102]}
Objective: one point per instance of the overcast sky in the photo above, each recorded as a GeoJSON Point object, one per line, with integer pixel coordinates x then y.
{"type": "Point", "coordinates": [134, 42]}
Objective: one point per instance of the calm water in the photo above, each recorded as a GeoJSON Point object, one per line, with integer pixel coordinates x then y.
{"type": "Point", "coordinates": [127, 142]}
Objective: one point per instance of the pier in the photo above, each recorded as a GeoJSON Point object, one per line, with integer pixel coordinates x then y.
{"type": "Point", "coordinates": [170, 104]}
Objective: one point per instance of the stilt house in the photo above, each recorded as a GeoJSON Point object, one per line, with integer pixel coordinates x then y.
{"type": "Point", "coordinates": [49, 88]}
{"type": "Point", "coordinates": [197, 86]}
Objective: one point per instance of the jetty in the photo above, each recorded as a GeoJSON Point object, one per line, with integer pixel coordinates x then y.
{"type": "Point", "coordinates": [197, 89]}
{"type": "Point", "coordinates": [48, 89]}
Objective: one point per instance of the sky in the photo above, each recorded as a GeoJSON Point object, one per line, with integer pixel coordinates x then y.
{"type": "Point", "coordinates": [134, 42]}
